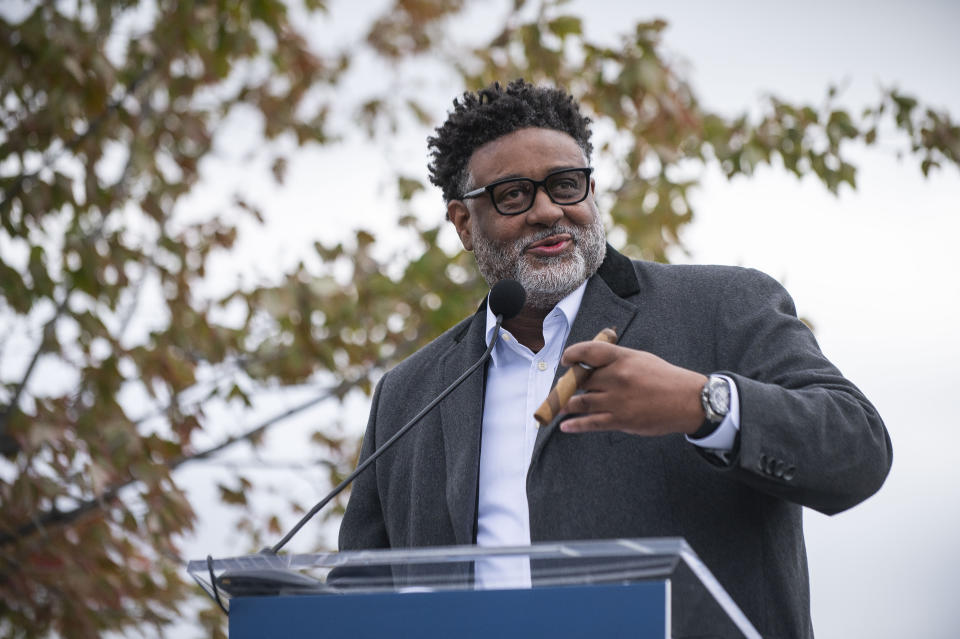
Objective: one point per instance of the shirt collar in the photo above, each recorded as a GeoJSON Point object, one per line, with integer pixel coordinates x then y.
{"type": "Point", "coordinates": [568, 306]}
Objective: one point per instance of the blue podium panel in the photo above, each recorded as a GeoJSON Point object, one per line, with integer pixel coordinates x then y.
{"type": "Point", "coordinates": [638, 610]}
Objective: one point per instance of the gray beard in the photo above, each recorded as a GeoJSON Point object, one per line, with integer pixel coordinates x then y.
{"type": "Point", "coordinates": [547, 280]}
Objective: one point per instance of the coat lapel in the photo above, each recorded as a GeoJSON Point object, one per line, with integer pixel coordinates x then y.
{"type": "Point", "coordinates": [461, 416]}
{"type": "Point", "coordinates": [602, 307]}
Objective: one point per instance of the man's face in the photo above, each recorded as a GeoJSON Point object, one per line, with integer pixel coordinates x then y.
{"type": "Point", "coordinates": [550, 249]}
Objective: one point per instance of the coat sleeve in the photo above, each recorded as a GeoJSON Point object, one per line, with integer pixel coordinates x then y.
{"type": "Point", "coordinates": [807, 434]}
{"type": "Point", "coordinates": [363, 523]}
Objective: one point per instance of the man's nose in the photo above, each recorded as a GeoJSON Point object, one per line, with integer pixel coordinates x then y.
{"type": "Point", "coordinates": [544, 210]}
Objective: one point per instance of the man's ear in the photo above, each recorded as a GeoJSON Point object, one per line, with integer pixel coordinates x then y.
{"type": "Point", "coordinates": [459, 214]}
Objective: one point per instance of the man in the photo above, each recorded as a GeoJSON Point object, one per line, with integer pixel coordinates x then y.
{"type": "Point", "coordinates": [715, 417]}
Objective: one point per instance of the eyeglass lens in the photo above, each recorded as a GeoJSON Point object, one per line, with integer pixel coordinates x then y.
{"type": "Point", "coordinates": [516, 196]}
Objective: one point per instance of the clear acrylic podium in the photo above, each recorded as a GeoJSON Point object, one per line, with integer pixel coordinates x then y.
{"type": "Point", "coordinates": [616, 588]}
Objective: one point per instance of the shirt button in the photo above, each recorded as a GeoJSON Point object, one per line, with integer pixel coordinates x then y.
{"type": "Point", "coordinates": [542, 366]}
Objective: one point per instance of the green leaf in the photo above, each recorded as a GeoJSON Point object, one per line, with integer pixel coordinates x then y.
{"type": "Point", "coordinates": [408, 187]}
{"type": "Point", "coordinates": [564, 26]}
{"type": "Point", "coordinates": [230, 496]}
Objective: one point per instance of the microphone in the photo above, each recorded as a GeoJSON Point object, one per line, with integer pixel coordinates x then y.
{"type": "Point", "coordinates": [506, 300]}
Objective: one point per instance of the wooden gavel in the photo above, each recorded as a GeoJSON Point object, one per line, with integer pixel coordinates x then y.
{"type": "Point", "coordinates": [569, 382]}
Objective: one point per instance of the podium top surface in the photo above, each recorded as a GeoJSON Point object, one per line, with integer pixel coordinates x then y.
{"type": "Point", "coordinates": [570, 550]}
{"type": "Point", "coordinates": [459, 567]}
{"type": "Point", "coordinates": [448, 568]}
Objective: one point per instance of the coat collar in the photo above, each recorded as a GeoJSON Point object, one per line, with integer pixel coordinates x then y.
{"type": "Point", "coordinates": [618, 272]}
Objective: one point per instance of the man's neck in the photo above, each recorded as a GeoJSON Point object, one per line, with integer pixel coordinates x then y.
{"type": "Point", "coordinates": [527, 327]}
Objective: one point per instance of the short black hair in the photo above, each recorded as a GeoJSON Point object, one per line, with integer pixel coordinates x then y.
{"type": "Point", "coordinates": [492, 112]}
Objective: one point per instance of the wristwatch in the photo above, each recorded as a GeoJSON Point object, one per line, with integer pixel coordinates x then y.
{"type": "Point", "coordinates": [715, 399]}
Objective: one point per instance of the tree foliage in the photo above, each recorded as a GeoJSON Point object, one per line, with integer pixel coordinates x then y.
{"type": "Point", "coordinates": [114, 353]}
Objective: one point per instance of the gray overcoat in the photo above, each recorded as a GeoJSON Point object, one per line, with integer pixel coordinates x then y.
{"type": "Point", "coordinates": [808, 437]}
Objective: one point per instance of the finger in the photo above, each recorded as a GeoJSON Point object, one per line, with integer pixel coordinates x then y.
{"type": "Point", "coordinates": [588, 423]}
{"type": "Point", "coordinates": [588, 403]}
{"type": "Point", "coordinates": [593, 354]}
{"type": "Point", "coordinates": [603, 380]}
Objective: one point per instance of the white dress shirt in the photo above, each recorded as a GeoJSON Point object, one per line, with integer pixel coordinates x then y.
{"type": "Point", "coordinates": [518, 380]}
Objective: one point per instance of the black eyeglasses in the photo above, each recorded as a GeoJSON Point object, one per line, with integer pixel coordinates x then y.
{"type": "Point", "coordinates": [514, 196]}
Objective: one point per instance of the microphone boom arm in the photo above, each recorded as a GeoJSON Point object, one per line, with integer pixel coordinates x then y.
{"type": "Point", "coordinates": [373, 456]}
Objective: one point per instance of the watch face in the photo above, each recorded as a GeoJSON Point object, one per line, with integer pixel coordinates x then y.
{"type": "Point", "coordinates": [719, 396]}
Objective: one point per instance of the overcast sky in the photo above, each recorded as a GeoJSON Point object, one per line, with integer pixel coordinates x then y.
{"type": "Point", "coordinates": [875, 270]}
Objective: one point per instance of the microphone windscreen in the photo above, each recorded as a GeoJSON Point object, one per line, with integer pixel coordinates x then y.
{"type": "Point", "coordinates": [507, 298]}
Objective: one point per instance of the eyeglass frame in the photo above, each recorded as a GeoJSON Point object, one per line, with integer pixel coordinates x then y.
{"type": "Point", "coordinates": [477, 192]}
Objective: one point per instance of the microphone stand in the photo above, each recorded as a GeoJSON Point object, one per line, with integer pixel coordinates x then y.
{"type": "Point", "coordinates": [373, 457]}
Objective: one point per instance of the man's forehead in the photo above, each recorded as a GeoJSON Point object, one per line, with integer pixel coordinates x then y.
{"type": "Point", "coordinates": [526, 149]}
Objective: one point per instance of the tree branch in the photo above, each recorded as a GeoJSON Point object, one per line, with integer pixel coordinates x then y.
{"type": "Point", "coordinates": [56, 517]}
{"type": "Point", "coordinates": [8, 445]}
{"type": "Point", "coordinates": [8, 442]}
